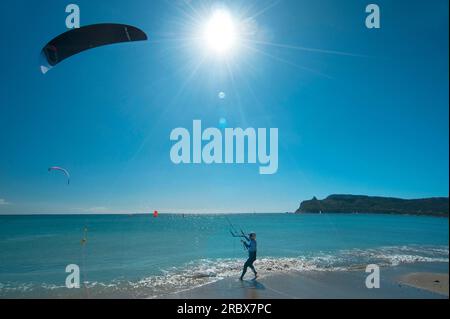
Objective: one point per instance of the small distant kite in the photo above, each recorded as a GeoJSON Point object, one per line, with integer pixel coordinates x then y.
{"type": "Point", "coordinates": [56, 168]}
{"type": "Point", "coordinates": [87, 37]}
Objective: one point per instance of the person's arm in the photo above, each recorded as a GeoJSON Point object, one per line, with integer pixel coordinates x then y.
{"type": "Point", "coordinates": [246, 245]}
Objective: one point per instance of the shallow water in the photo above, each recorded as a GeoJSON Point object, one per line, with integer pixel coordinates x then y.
{"type": "Point", "coordinates": [142, 256]}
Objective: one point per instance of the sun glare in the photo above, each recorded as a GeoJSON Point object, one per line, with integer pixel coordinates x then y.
{"type": "Point", "coordinates": [220, 32]}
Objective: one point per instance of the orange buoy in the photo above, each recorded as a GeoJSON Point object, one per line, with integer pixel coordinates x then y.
{"type": "Point", "coordinates": [155, 213]}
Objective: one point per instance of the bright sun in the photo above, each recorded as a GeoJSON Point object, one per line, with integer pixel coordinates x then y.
{"type": "Point", "coordinates": [220, 32]}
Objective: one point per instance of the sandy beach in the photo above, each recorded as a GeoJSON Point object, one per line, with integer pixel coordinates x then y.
{"type": "Point", "coordinates": [434, 282]}
{"type": "Point", "coordinates": [412, 281]}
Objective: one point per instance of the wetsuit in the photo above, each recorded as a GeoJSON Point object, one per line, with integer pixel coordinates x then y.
{"type": "Point", "coordinates": [251, 247]}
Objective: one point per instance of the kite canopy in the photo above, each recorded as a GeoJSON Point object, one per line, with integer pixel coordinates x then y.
{"type": "Point", "coordinates": [56, 168]}
{"type": "Point", "coordinates": [87, 37]}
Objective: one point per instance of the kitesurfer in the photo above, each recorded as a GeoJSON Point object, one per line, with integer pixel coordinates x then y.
{"type": "Point", "coordinates": [250, 245]}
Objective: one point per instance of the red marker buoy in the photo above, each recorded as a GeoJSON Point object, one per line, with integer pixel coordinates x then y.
{"type": "Point", "coordinates": [155, 213]}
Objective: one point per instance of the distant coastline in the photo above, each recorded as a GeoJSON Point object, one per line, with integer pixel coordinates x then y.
{"type": "Point", "coordinates": [435, 206]}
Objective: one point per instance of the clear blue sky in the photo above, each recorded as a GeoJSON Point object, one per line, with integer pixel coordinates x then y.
{"type": "Point", "coordinates": [373, 122]}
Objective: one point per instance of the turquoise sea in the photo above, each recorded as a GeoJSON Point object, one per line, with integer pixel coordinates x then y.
{"type": "Point", "coordinates": [142, 256]}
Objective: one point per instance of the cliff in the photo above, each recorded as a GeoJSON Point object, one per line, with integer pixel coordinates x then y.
{"type": "Point", "coordinates": [437, 206]}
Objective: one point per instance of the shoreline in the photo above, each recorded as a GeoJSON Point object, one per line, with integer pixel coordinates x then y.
{"type": "Point", "coordinates": [406, 281]}
{"type": "Point", "coordinates": [420, 280]}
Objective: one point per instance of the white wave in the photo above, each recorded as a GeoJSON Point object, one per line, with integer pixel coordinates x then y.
{"type": "Point", "coordinates": [205, 271]}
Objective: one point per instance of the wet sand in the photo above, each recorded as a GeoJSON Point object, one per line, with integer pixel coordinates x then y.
{"type": "Point", "coordinates": [434, 282]}
{"type": "Point", "coordinates": [413, 281]}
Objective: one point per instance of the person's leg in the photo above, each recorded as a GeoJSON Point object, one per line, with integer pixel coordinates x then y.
{"type": "Point", "coordinates": [253, 259]}
{"type": "Point", "coordinates": [244, 270]}
{"type": "Point", "coordinates": [253, 269]}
